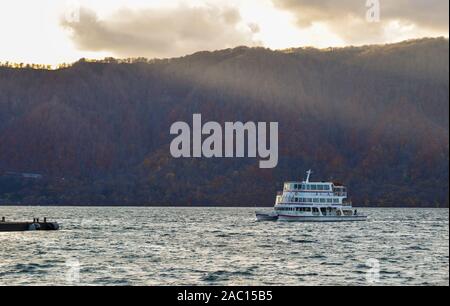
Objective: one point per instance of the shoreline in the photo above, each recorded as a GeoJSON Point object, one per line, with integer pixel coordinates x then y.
{"type": "Point", "coordinates": [195, 206]}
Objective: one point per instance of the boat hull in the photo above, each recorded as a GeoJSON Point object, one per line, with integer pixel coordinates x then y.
{"type": "Point", "coordinates": [288, 218]}
{"type": "Point", "coordinates": [266, 217]}
{"type": "Point", "coordinates": [28, 226]}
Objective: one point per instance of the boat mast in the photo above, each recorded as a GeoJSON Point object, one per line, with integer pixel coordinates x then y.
{"type": "Point", "coordinates": [308, 175]}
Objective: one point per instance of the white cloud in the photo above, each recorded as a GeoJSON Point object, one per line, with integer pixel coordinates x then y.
{"type": "Point", "coordinates": [161, 32]}
{"type": "Point", "coordinates": [347, 18]}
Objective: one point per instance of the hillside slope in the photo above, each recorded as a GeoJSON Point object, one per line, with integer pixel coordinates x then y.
{"type": "Point", "coordinates": [374, 117]}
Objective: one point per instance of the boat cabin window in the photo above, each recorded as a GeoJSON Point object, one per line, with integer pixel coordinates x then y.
{"type": "Point", "coordinates": [302, 209]}
{"type": "Point", "coordinates": [313, 187]}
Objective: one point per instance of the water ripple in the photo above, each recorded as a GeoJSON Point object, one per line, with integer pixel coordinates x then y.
{"type": "Point", "coordinates": [210, 246]}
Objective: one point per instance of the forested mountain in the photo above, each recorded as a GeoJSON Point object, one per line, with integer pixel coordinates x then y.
{"type": "Point", "coordinates": [375, 118]}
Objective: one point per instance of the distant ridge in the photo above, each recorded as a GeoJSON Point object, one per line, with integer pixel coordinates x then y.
{"type": "Point", "coordinates": [374, 117]}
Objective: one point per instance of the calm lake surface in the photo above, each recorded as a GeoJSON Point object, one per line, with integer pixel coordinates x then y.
{"type": "Point", "coordinates": [224, 246]}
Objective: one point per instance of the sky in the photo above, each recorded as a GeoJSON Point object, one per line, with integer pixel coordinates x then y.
{"type": "Point", "coordinates": [58, 31]}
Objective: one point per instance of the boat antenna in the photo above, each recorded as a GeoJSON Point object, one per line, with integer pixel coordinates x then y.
{"type": "Point", "coordinates": [308, 175]}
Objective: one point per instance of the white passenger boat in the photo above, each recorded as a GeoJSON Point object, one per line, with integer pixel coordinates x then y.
{"type": "Point", "coordinates": [312, 202]}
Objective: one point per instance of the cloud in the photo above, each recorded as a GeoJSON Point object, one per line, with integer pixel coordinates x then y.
{"type": "Point", "coordinates": [161, 32]}
{"type": "Point", "coordinates": [347, 18]}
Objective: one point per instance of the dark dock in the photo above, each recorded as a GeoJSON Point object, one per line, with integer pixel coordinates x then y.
{"type": "Point", "coordinates": [36, 225]}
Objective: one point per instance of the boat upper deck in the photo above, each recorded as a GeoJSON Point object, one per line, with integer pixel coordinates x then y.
{"type": "Point", "coordinates": [313, 193]}
{"type": "Point", "coordinates": [315, 187]}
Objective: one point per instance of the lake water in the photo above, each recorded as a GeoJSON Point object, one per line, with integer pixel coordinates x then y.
{"type": "Point", "coordinates": [224, 246]}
